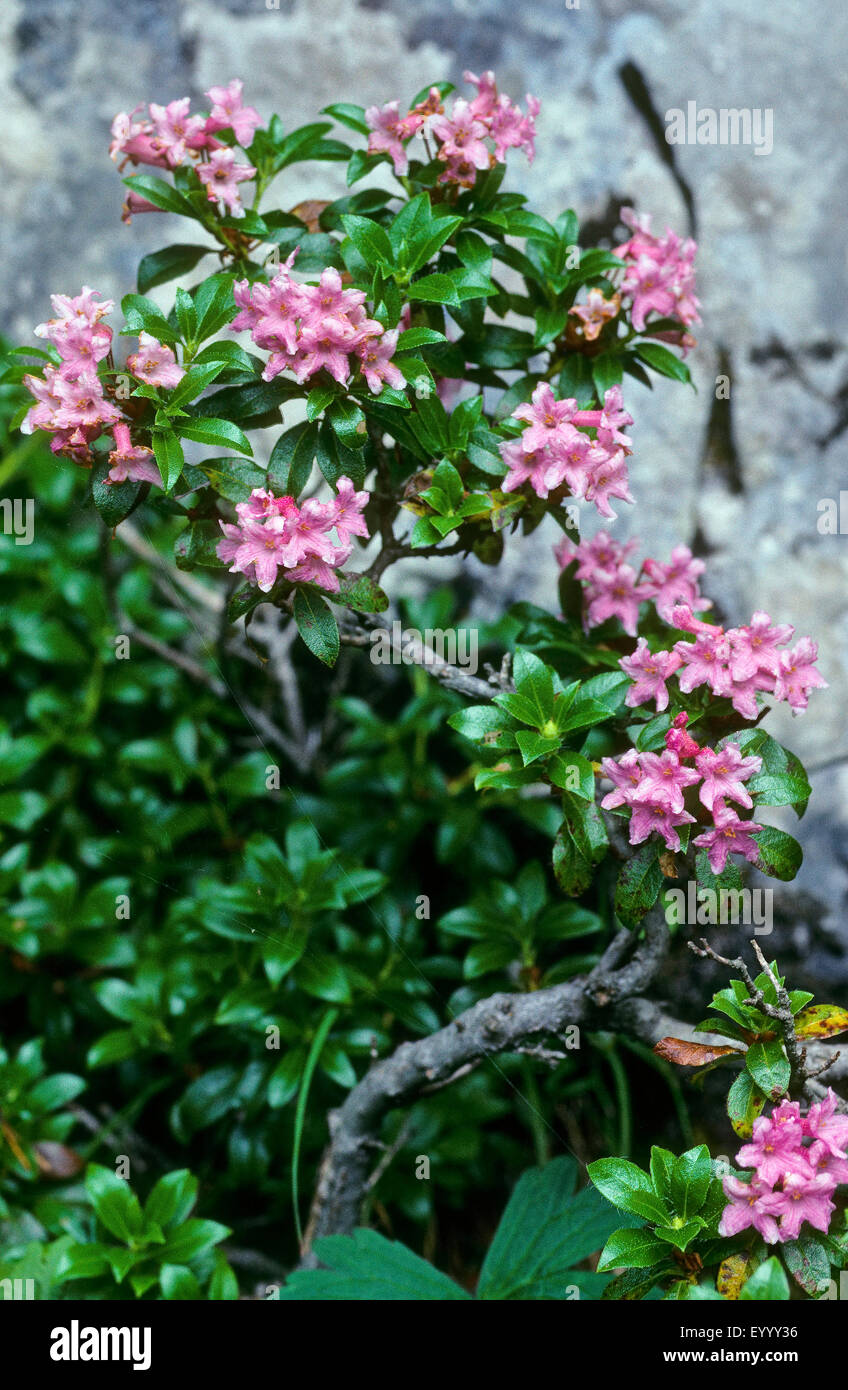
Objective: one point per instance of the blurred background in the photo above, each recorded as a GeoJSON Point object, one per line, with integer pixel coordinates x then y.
{"type": "Point", "coordinates": [738, 478]}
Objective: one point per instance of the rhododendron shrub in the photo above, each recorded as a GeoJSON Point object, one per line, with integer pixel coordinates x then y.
{"type": "Point", "coordinates": [425, 367]}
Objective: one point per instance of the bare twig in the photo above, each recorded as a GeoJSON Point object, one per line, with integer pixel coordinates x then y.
{"type": "Point", "coordinates": [501, 1023]}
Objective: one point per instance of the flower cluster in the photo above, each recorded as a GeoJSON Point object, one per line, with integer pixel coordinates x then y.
{"type": "Point", "coordinates": [310, 327]}
{"type": "Point", "coordinates": [614, 590]}
{"type": "Point", "coordinates": [70, 404]}
{"type": "Point", "coordinates": [735, 663]}
{"type": "Point", "coordinates": [741, 661]}
{"type": "Point", "coordinates": [659, 277]}
{"type": "Point", "coordinates": [476, 135]}
{"type": "Point", "coordinates": [652, 785]}
{"type": "Point", "coordinates": [275, 533]}
{"type": "Point", "coordinates": [70, 401]}
{"type": "Point", "coordinates": [798, 1161]}
{"type": "Point", "coordinates": [170, 134]}
{"type": "Point", "coordinates": [555, 449]}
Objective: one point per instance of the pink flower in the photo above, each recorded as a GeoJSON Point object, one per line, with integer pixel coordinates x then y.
{"type": "Point", "coordinates": [510, 128]}
{"type": "Point", "coordinates": [679, 740]}
{"type": "Point", "coordinates": [385, 137]}
{"type": "Point", "coordinates": [82, 309]}
{"type": "Point", "coordinates": [775, 1151]}
{"type": "Point", "coordinates": [797, 674]}
{"type": "Point", "coordinates": [347, 511]}
{"type": "Point", "coordinates": [823, 1162]}
{"type": "Point", "coordinates": [525, 467]}
{"type": "Point", "coordinates": [729, 835]}
{"type": "Point", "coordinates": [155, 363]}
{"type": "Point", "coordinates": [825, 1126]}
{"type": "Point", "coordinates": [134, 203]}
{"type": "Point", "coordinates": [608, 478]}
{"type": "Point", "coordinates": [548, 419]}
{"type": "Point", "coordinates": [615, 594]}
{"type": "Point", "coordinates": [754, 648]}
{"type": "Point", "coordinates": [805, 1199]}
{"type": "Point", "coordinates": [462, 136]}
{"type": "Point", "coordinates": [221, 177]}
{"type": "Point", "coordinates": [656, 817]}
{"type": "Point", "coordinates": [131, 462]}
{"type": "Point", "coordinates": [649, 671]}
{"type": "Point", "coordinates": [602, 552]}
{"type": "Point", "coordinates": [705, 661]}
{"type": "Point", "coordinates": [751, 1204]}
{"type": "Point", "coordinates": [724, 772]}
{"type": "Point", "coordinates": [175, 129]}
{"type": "Point", "coordinates": [596, 312]}
{"type": "Point", "coordinates": [663, 780]}
{"type": "Point", "coordinates": [676, 582]}
{"type": "Point", "coordinates": [137, 141]}
{"type": "Point", "coordinates": [625, 775]}
{"type": "Point", "coordinates": [486, 100]}
{"type": "Point", "coordinates": [274, 533]}
{"type": "Point", "coordinates": [659, 275]}
{"type": "Point", "coordinates": [375, 354]}
{"type": "Point", "coordinates": [228, 112]}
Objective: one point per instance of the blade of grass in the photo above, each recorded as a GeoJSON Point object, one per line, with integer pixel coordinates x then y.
{"type": "Point", "coordinates": [309, 1066]}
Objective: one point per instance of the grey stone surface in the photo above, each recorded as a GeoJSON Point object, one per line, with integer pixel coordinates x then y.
{"type": "Point", "coordinates": [772, 264]}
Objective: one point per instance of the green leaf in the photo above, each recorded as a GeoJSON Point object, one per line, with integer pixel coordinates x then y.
{"type": "Point", "coordinates": [663, 361]}
{"type": "Point", "coordinates": [172, 1199]}
{"type": "Point", "coordinates": [196, 379]}
{"type": "Point", "coordinates": [316, 625]}
{"type": "Point", "coordinates": [178, 1282]}
{"type": "Point", "coordinates": [767, 1283]}
{"type": "Point", "coordinates": [191, 1239]}
{"type": "Point", "coordinates": [161, 194]}
{"type": "Point", "coordinates": [632, 1248]}
{"type": "Point", "coordinates": [169, 457]}
{"type": "Point", "coordinates": [484, 724]}
{"type": "Point", "coordinates": [581, 843]}
{"type": "Point", "coordinates": [114, 501]}
{"type": "Point", "coordinates": [745, 1103]}
{"type": "Point", "coordinates": [349, 115]}
{"type": "Point", "coordinates": [168, 264]}
{"type": "Point", "coordinates": [115, 1204]}
{"type": "Point", "coordinates": [532, 745]}
{"type": "Point", "coordinates": [292, 457]}
{"type": "Point", "coordinates": [544, 1233]}
{"type": "Point", "coordinates": [142, 315]}
{"type": "Point", "coordinates": [367, 1267]}
{"type": "Point", "coordinates": [315, 1050]}
{"type": "Point", "coordinates": [639, 883]}
{"type": "Point", "coordinates": [769, 1066]}
{"type": "Point", "coordinates": [574, 773]}
{"type": "Point", "coordinates": [782, 789]}
{"type": "Point", "coordinates": [619, 1181]}
{"type": "Point", "coordinates": [606, 372]}
{"type": "Point", "coordinates": [690, 1180]}
{"type": "Point", "coordinates": [214, 303]}
{"type": "Point", "coordinates": [370, 239]}
{"type": "Point", "coordinates": [434, 289]}
{"type": "Point", "coordinates": [360, 593]}
{"type": "Point", "coordinates": [809, 1264]}
{"type": "Point", "coordinates": [348, 421]}
{"type": "Point", "coordinates": [215, 434]}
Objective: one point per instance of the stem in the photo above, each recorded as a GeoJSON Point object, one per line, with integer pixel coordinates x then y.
{"type": "Point", "coordinates": [536, 1120]}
